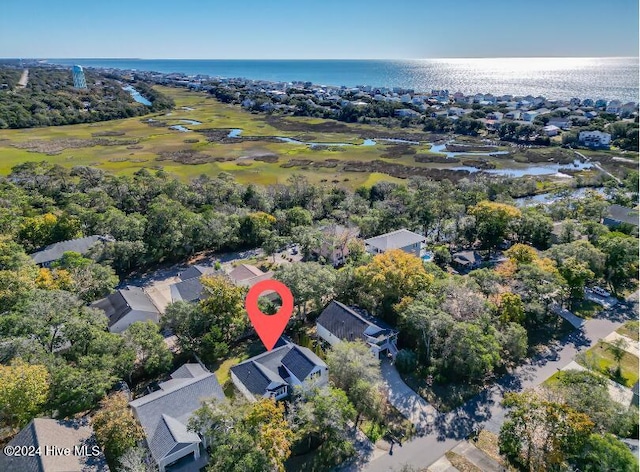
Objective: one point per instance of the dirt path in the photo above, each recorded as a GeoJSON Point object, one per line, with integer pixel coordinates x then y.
{"type": "Point", "coordinates": [24, 79]}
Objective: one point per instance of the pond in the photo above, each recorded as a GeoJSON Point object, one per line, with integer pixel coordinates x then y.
{"type": "Point", "coordinates": [234, 133]}
{"type": "Point", "coordinates": [533, 169]}
{"type": "Point", "coordinates": [136, 95]}
{"type": "Point", "coordinates": [442, 149]}
{"type": "Point", "coordinates": [550, 197]}
{"type": "Point", "coordinates": [191, 122]}
{"type": "Point", "coordinates": [180, 128]}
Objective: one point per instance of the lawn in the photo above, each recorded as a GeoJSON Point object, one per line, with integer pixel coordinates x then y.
{"type": "Point", "coordinates": [586, 309]}
{"type": "Point", "coordinates": [601, 359]}
{"type": "Point", "coordinates": [240, 353]}
{"type": "Point", "coordinates": [629, 329]}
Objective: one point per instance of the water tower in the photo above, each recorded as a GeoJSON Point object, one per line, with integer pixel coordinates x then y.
{"type": "Point", "coordinates": [79, 81]}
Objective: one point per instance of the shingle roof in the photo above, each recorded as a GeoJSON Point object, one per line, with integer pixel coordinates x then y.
{"type": "Point", "coordinates": [623, 214]}
{"type": "Point", "coordinates": [196, 271]}
{"type": "Point", "coordinates": [467, 257]}
{"type": "Point", "coordinates": [117, 305]}
{"type": "Point", "coordinates": [44, 432]}
{"type": "Point", "coordinates": [395, 240]}
{"type": "Point", "coordinates": [349, 324]}
{"type": "Point", "coordinates": [244, 272]}
{"type": "Point", "coordinates": [268, 371]}
{"type": "Point", "coordinates": [55, 251]}
{"type": "Point", "coordinates": [189, 290]}
{"type": "Point", "coordinates": [161, 412]}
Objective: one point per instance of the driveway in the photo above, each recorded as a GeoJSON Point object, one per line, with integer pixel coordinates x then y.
{"type": "Point", "coordinates": [409, 403]}
{"type": "Point", "coordinates": [486, 410]}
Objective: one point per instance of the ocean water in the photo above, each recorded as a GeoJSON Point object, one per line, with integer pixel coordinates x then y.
{"type": "Point", "coordinates": [556, 78]}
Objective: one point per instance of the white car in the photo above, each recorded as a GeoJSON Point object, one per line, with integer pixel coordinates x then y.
{"type": "Point", "coordinates": [600, 291]}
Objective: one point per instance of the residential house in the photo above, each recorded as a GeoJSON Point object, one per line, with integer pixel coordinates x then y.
{"type": "Point", "coordinates": [44, 433]}
{"type": "Point", "coordinates": [54, 252]}
{"type": "Point", "coordinates": [126, 306]}
{"type": "Point", "coordinates": [618, 214]}
{"type": "Point", "coordinates": [407, 113]}
{"type": "Point", "coordinates": [338, 323]}
{"type": "Point", "coordinates": [404, 239]}
{"type": "Point", "coordinates": [614, 106]}
{"type": "Point", "coordinates": [562, 123]}
{"type": "Point", "coordinates": [334, 244]}
{"type": "Point", "coordinates": [190, 289]}
{"type": "Point", "coordinates": [594, 138]}
{"type": "Point", "coordinates": [529, 115]}
{"type": "Point", "coordinates": [513, 115]}
{"type": "Point", "coordinates": [466, 260]}
{"type": "Point", "coordinates": [551, 130]}
{"type": "Point", "coordinates": [246, 275]}
{"type": "Point", "coordinates": [275, 373]}
{"type": "Point", "coordinates": [495, 115]}
{"type": "Point", "coordinates": [591, 114]}
{"type": "Point", "coordinates": [165, 414]}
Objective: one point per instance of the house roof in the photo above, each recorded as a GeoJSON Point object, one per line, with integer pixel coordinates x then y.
{"type": "Point", "coordinates": [272, 369]}
{"type": "Point", "coordinates": [117, 305]}
{"type": "Point", "coordinates": [466, 257]}
{"type": "Point", "coordinates": [350, 324]}
{"type": "Point", "coordinates": [623, 214]}
{"type": "Point", "coordinates": [42, 432]}
{"type": "Point", "coordinates": [55, 251]}
{"type": "Point", "coordinates": [189, 290]}
{"type": "Point", "coordinates": [246, 275]}
{"type": "Point", "coordinates": [165, 413]}
{"type": "Point", "coordinates": [195, 271]}
{"type": "Point", "coordinates": [395, 240]}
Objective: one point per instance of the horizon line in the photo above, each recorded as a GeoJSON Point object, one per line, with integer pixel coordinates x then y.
{"type": "Point", "coordinates": [313, 59]}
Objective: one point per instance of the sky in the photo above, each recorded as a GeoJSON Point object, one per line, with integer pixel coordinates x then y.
{"type": "Point", "coordinates": [328, 29]}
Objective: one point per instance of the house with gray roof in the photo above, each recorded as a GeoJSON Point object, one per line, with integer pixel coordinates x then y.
{"type": "Point", "coordinates": [275, 373]}
{"type": "Point", "coordinates": [54, 252]}
{"type": "Point", "coordinates": [618, 214]}
{"type": "Point", "coordinates": [196, 271]}
{"type": "Point", "coordinates": [404, 239]}
{"type": "Point", "coordinates": [339, 322]}
{"type": "Point", "coordinates": [190, 288]}
{"type": "Point", "coordinates": [46, 433]}
{"type": "Point", "coordinates": [126, 306]}
{"type": "Point", "coordinates": [165, 414]}
{"type": "Point", "coordinates": [466, 260]}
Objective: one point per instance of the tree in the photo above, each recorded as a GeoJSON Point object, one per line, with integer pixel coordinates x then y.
{"type": "Point", "coordinates": [350, 362]}
{"type": "Point", "coordinates": [514, 340]}
{"type": "Point", "coordinates": [470, 352]}
{"type": "Point", "coordinates": [323, 415]}
{"type": "Point", "coordinates": [510, 308]}
{"type": "Point", "coordinates": [621, 263]}
{"type": "Point", "coordinates": [117, 430]}
{"type": "Point", "coordinates": [582, 251]}
{"type": "Point", "coordinates": [24, 389]}
{"type": "Point", "coordinates": [533, 227]}
{"type": "Point", "coordinates": [136, 459]}
{"type": "Point", "coordinates": [312, 284]}
{"type": "Point", "coordinates": [152, 353]}
{"type": "Point", "coordinates": [576, 274]}
{"type": "Point", "coordinates": [488, 281]}
{"type": "Point", "coordinates": [253, 438]}
{"type": "Point", "coordinates": [492, 221]}
{"type": "Point", "coordinates": [521, 254]}
{"type": "Point", "coordinates": [540, 435]}
{"type": "Point", "coordinates": [255, 227]}
{"type": "Point", "coordinates": [393, 275]}
{"type": "Point", "coordinates": [605, 453]}
{"type": "Point", "coordinates": [368, 400]}
{"type": "Point", "coordinates": [617, 349]}
{"type": "Point", "coordinates": [89, 280]}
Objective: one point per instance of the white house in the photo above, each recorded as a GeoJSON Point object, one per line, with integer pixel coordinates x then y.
{"type": "Point", "coordinates": [338, 323]}
{"type": "Point", "coordinates": [275, 373]}
{"type": "Point", "coordinates": [404, 239]}
{"type": "Point", "coordinates": [594, 138]}
{"type": "Point", "coordinates": [551, 130]}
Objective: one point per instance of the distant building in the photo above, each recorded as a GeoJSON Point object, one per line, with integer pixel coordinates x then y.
{"type": "Point", "coordinates": [54, 252]}
{"type": "Point", "coordinates": [618, 214]}
{"type": "Point", "coordinates": [126, 306]}
{"type": "Point", "coordinates": [79, 81]}
{"type": "Point", "coordinates": [594, 138]}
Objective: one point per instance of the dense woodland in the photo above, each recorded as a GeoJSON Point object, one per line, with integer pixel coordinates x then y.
{"type": "Point", "coordinates": [49, 99]}
{"type": "Point", "coordinates": [456, 330]}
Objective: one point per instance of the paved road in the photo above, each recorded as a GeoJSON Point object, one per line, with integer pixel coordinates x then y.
{"type": "Point", "coordinates": [485, 409]}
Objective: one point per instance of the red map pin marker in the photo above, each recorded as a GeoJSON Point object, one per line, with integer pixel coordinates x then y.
{"type": "Point", "coordinates": [269, 327]}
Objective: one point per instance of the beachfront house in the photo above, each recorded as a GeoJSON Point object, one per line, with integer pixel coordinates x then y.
{"type": "Point", "coordinates": [275, 373]}
{"type": "Point", "coordinates": [165, 414]}
{"type": "Point", "coordinates": [338, 323]}
{"type": "Point", "coordinates": [404, 239]}
{"type": "Point", "coordinates": [594, 139]}
{"type": "Point", "coordinates": [126, 306]}
{"type": "Point", "coordinates": [54, 252]}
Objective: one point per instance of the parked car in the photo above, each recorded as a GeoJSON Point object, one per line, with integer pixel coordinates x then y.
{"type": "Point", "coordinates": [600, 291]}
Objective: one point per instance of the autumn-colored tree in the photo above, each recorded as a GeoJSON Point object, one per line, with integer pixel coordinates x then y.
{"type": "Point", "coordinates": [116, 428]}
{"type": "Point", "coordinates": [521, 254]}
{"type": "Point", "coordinates": [272, 433]}
{"type": "Point", "coordinates": [392, 276]}
{"type": "Point", "coordinates": [24, 389]}
{"type": "Point", "coordinates": [510, 308]}
{"type": "Point", "coordinates": [54, 279]}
